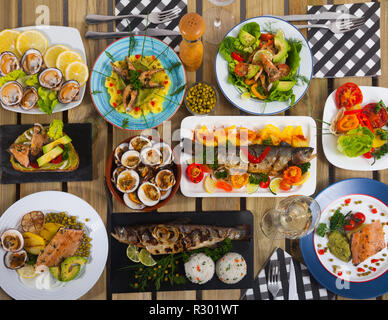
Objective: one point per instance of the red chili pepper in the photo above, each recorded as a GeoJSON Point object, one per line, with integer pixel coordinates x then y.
{"type": "Point", "coordinates": [57, 159]}
{"type": "Point", "coordinates": [321, 251]}
{"type": "Point", "coordinates": [254, 159]}
{"type": "Point", "coordinates": [340, 273]}
{"type": "Point", "coordinates": [360, 270]}
{"type": "Point", "coordinates": [137, 56]}
{"type": "Point", "coordinates": [137, 109]}
{"type": "Point", "coordinates": [347, 201]}
{"type": "Point", "coordinates": [237, 57]}
{"type": "Point", "coordinates": [373, 269]}
{"type": "Point", "coordinates": [375, 260]}
{"type": "Point", "coordinates": [195, 172]}
{"type": "Point", "coordinates": [111, 84]}
{"type": "Point", "coordinates": [364, 121]}
{"type": "Point", "coordinates": [119, 91]}
{"type": "Point", "coordinates": [356, 111]}
{"type": "Point", "coordinates": [374, 210]}
{"type": "Point", "coordinates": [114, 104]}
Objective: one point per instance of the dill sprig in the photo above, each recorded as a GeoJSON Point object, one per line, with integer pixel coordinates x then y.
{"type": "Point", "coordinates": [143, 115]}
{"type": "Point", "coordinates": [96, 92]}
{"type": "Point", "coordinates": [103, 74]}
{"type": "Point", "coordinates": [175, 65]}
{"type": "Point", "coordinates": [145, 36]}
{"type": "Point", "coordinates": [132, 43]}
{"type": "Point", "coordinates": [110, 56]}
{"type": "Point", "coordinates": [179, 90]}
{"type": "Point", "coordinates": [124, 123]}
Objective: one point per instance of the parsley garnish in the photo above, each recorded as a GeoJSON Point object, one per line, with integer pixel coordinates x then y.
{"type": "Point", "coordinates": [321, 229]}
{"type": "Point", "coordinates": [257, 178]}
{"type": "Point", "coordinates": [379, 106]}
{"type": "Point", "coordinates": [305, 167]}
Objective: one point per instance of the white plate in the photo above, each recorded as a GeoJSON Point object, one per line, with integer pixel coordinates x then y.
{"type": "Point", "coordinates": [55, 201]}
{"type": "Point", "coordinates": [69, 37]}
{"type": "Point", "coordinates": [254, 106]}
{"type": "Point", "coordinates": [329, 141]}
{"type": "Point", "coordinates": [347, 270]}
{"type": "Point", "coordinates": [189, 124]}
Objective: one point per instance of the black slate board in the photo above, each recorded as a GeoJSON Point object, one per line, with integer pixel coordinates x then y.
{"type": "Point", "coordinates": [81, 135]}
{"type": "Point", "coordinates": [119, 279]}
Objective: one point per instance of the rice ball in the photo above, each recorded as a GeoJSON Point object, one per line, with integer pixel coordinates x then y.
{"type": "Point", "coordinates": [231, 268]}
{"type": "Point", "coordinates": [200, 268]}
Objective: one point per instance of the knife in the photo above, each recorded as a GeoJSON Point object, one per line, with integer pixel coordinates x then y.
{"type": "Point", "coordinates": [292, 291]}
{"type": "Point", "coordinates": [153, 32]}
{"type": "Point", "coordinates": [318, 16]}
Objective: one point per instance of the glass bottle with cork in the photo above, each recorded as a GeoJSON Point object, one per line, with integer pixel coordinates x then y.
{"type": "Point", "coordinates": [192, 27]}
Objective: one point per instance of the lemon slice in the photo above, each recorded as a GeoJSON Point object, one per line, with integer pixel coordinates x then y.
{"type": "Point", "coordinates": [77, 71]}
{"type": "Point", "coordinates": [274, 185]}
{"type": "Point", "coordinates": [210, 184]}
{"type": "Point", "coordinates": [52, 53]}
{"type": "Point", "coordinates": [132, 253]}
{"type": "Point", "coordinates": [245, 95]}
{"type": "Point", "coordinates": [303, 179]}
{"type": "Point", "coordinates": [146, 259]}
{"type": "Point", "coordinates": [252, 188]}
{"type": "Point", "coordinates": [8, 41]}
{"type": "Point", "coordinates": [65, 58]}
{"type": "Point", "coordinates": [31, 39]}
{"type": "Point", "coordinates": [27, 272]}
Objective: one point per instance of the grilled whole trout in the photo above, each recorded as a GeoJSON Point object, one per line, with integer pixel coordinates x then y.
{"type": "Point", "coordinates": [278, 159]}
{"type": "Point", "coordinates": [160, 239]}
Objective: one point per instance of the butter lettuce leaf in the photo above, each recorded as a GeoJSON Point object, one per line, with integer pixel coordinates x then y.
{"type": "Point", "coordinates": [356, 142]}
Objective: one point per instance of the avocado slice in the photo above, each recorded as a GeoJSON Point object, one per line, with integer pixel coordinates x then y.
{"type": "Point", "coordinates": [64, 140]}
{"type": "Point", "coordinates": [56, 272]}
{"type": "Point", "coordinates": [71, 267]}
{"type": "Point", "coordinates": [285, 85]}
{"type": "Point", "coordinates": [246, 38]}
{"type": "Point", "coordinates": [252, 70]}
{"type": "Point", "coordinates": [51, 155]}
{"type": "Point", "coordinates": [282, 46]}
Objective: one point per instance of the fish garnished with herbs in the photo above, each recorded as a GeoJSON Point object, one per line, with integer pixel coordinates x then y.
{"type": "Point", "coordinates": [160, 239]}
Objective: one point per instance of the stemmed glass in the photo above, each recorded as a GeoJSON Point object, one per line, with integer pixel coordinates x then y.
{"type": "Point", "coordinates": [218, 21]}
{"type": "Point", "coordinates": [293, 218]}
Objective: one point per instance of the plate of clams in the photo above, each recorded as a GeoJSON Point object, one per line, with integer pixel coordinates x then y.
{"type": "Point", "coordinates": [142, 173]}
{"type": "Point", "coordinates": [18, 96]}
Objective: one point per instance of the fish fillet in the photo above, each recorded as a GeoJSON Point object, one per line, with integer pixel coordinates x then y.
{"type": "Point", "coordinates": [64, 244]}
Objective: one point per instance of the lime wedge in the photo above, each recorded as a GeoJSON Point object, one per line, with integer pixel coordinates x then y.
{"type": "Point", "coordinates": [274, 185]}
{"type": "Point", "coordinates": [245, 95]}
{"type": "Point", "coordinates": [146, 258]}
{"type": "Point", "coordinates": [252, 188]}
{"type": "Point", "coordinates": [132, 253]}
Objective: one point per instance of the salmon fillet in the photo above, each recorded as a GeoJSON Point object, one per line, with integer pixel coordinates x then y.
{"type": "Point", "coordinates": [64, 244]}
{"type": "Point", "coordinates": [367, 242]}
{"type": "Point", "coordinates": [20, 152]}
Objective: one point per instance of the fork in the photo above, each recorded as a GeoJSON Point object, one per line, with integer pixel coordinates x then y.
{"type": "Point", "coordinates": [273, 282]}
{"type": "Point", "coordinates": [337, 26]}
{"type": "Point", "coordinates": [153, 17]}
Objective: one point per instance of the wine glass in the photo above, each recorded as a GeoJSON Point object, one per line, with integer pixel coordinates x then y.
{"type": "Point", "coordinates": [293, 218]}
{"type": "Point", "coordinates": [218, 21]}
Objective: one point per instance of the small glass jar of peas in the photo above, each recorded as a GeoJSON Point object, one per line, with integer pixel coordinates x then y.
{"type": "Point", "coordinates": [201, 98]}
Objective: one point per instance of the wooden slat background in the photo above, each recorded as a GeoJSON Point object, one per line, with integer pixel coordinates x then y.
{"type": "Point", "coordinates": [17, 13]}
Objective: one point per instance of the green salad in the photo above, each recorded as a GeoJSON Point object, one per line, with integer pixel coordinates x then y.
{"type": "Point", "coordinates": [263, 66]}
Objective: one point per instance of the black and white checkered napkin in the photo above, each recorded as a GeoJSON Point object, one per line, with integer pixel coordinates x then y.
{"type": "Point", "coordinates": [124, 7]}
{"type": "Point", "coordinates": [308, 288]}
{"type": "Point", "coordinates": [351, 54]}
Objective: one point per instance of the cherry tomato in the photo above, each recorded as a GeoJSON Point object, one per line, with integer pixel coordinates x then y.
{"type": "Point", "coordinates": [350, 225]}
{"type": "Point", "coordinates": [241, 69]}
{"type": "Point", "coordinates": [348, 95]}
{"type": "Point", "coordinates": [57, 159]}
{"type": "Point", "coordinates": [377, 120]}
{"type": "Point", "coordinates": [285, 185]}
{"type": "Point", "coordinates": [359, 217]}
{"type": "Point", "coordinates": [265, 184]}
{"type": "Point", "coordinates": [195, 172]}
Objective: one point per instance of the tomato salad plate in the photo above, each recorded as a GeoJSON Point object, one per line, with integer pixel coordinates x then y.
{"type": "Point", "coordinates": [248, 156]}
{"type": "Point", "coordinates": [54, 246]}
{"type": "Point", "coordinates": [138, 82]}
{"type": "Point", "coordinates": [264, 65]}
{"type": "Point", "coordinates": [43, 69]}
{"type": "Point", "coordinates": [355, 131]}
{"type": "Point", "coordinates": [347, 252]}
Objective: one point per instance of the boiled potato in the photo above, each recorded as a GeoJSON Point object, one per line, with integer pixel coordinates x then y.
{"type": "Point", "coordinates": [33, 243]}
{"type": "Point", "coordinates": [298, 138]}
{"type": "Point", "coordinates": [287, 134]}
{"type": "Point", "coordinates": [49, 230]}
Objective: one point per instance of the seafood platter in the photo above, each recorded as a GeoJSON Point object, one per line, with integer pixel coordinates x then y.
{"type": "Point", "coordinates": [44, 71]}
{"type": "Point", "coordinates": [181, 251]}
{"type": "Point", "coordinates": [46, 153]}
{"type": "Point", "coordinates": [248, 156]}
{"type": "Point", "coordinates": [142, 173]}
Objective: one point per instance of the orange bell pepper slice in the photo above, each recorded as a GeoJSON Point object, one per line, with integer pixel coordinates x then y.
{"type": "Point", "coordinates": [348, 122]}
{"type": "Point", "coordinates": [293, 174]}
{"type": "Point", "coordinates": [240, 180]}
{"type": "Point", "coordinates": [257, 93]}
{"type": "Point", "coordinates": [224, 185]}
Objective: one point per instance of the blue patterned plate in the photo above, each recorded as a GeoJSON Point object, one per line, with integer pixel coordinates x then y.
{"type": "Point", "coordinates": [119, 50]}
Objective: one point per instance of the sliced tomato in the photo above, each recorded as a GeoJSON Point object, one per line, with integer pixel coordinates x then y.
{"type": "Point", "coordinates": [266, 36]}
{"type": "Point", "coordinates": [359, 217]}
{"type": "Point", "coordinates": [377, 120]}
{"type": "Point", "coordinates": [348, 95]}
{"type": "Point", "coordinates": [285, 185]}
{"type": "Point", "coordinates": [195, 172]}
{"type": "Point", "coordinates": [57, 159]}
{"type": "Point", "coordinates": [237, 57]}
{"type": "Point", "coordinates": [350, 225]}
{"type": "Point", "coordinates": [241, 69]}
{"type": "Point", "coordinates": [265, 184]}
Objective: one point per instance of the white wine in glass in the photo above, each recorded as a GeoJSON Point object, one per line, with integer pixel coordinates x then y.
{"type": "Point", "coordinates": [218, 21]}
{"type": "Point", "coordinates": [293, 218]}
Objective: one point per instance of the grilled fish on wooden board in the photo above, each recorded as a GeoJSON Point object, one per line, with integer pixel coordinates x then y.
{"type": "Point", "coordinates": [64, 244]}
{"type": "Point", "coordinates": [367, 242]}
{"type": "Point", "coordinates": [174, 238]}
{"type": "Point", "coordinates": [277, 160]}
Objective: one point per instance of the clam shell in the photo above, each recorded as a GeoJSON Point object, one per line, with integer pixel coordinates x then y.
{"type": "Point", "coordinates": [116, 172]}
{"type": "Point", "coordinates": [145, 198]}
{"type": "Point", "coordinates": [130, 159]}
{"type": "Point", "coordinates": [119, 151]}
{"type": "Point", "coordinates": [151, 156]}
{"type": "Point", "coordinates": [69, 92]}
{"type": "Point", "coordinates": [15, 233]}
{"type": "Point", "coordinates": [30, 98]}
{"type": "Point", "coordinates": [166, 151]}
{"type": "Point", "coordinates": [132, 204]}
{"type": "Point", "coordinates": [32, 61]}
{"type": "Point", "coordinates": [160, 175]}
{"type": "Point", "coordinates": [11, 93]}
{"type": "Point", "coordinates": [51, 78]}
{"type": "Point", "coordinates": [130, 177]}
{"type": "Point", "coordinates": [138, 143]}
{"type": "Point", "coordinates": [8, 63]}
{"type": "Point", "coordinates": [165, 194]}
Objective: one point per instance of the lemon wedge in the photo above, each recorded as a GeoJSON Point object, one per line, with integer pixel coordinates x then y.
{"type": "Point", "coordinates": [31, 39]}
{"type": "Point", "coordinates": [303, 179]}
{"type": "Point", "coordinates": [210, 184]}
{"type": "Point", "coordinates": [52, 53]}
{"type": "Point", "coordinates": [65, 58]}
{"type": "Point", "coordinates": [77, 71]}
{"type": "Point", "coordinates": [27, 272]}
{"type": "Point", "coordinates": [8, 41]}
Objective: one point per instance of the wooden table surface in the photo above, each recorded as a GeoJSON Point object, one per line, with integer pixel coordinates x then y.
{"type": "Point", "coordinates": [18, 13]}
